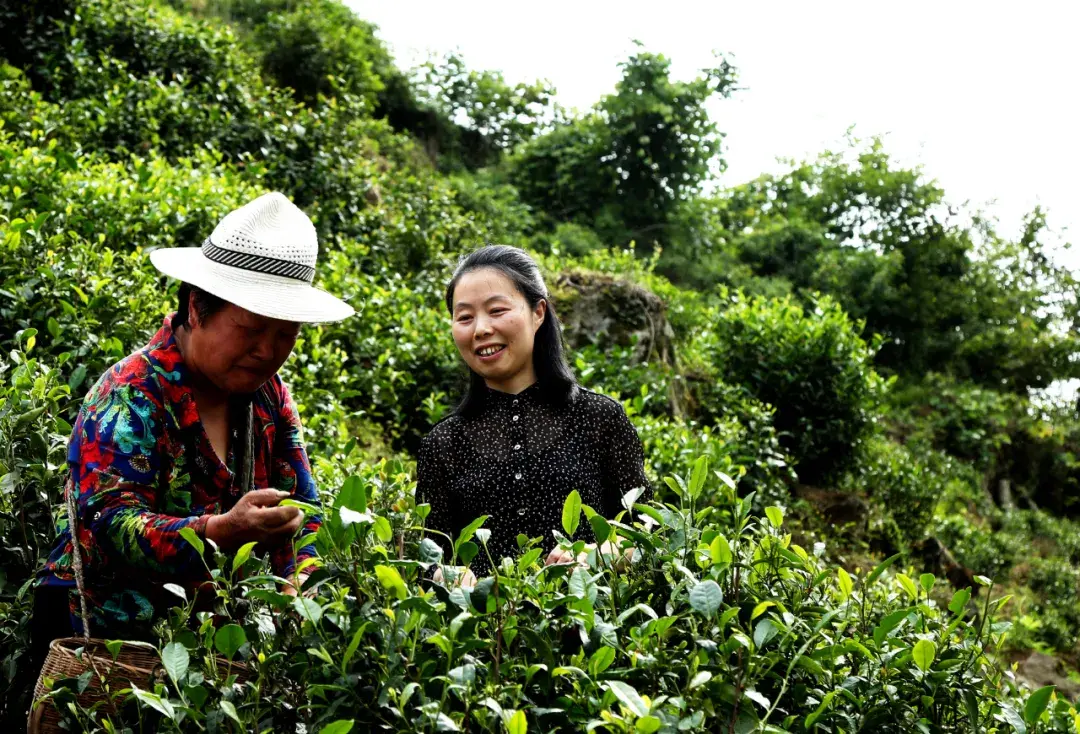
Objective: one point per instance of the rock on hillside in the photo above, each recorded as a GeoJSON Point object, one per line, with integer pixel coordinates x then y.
{"type": "Point", "coordinates": [599, 309]}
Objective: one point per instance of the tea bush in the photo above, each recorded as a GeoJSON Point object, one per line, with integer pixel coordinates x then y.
{"type": "Point", "coordinates": [33, 451]}
{"type": "Point", "coordinates": [757, 459]}
{"type": "Point", "coordinates": [1031, 554]}
{"type": "Point", "coordinates": [60, 271]}
{"type": "Point", "coordinates": [966, 420]}
{"type": "Point", "coordinates": [1056, 586]}
{"type": "Point", "coordinates": [978, 546]}
{"type": "Point", "coordinates": [1006, 436]}
{"type": "Point", "coordinates": [323, 52]}
{"type": "Point", "coordinates": [811, 366]}
{"type": "Point", "coordinates": [140, 78]}
{"type": "Point", "coordinates": [720, 624]}
{"type": "Point", "coordinates": [908, 485]}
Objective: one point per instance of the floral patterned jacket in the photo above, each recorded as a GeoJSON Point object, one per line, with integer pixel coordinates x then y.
{"type": "Point", "coordinates": [143, 469]}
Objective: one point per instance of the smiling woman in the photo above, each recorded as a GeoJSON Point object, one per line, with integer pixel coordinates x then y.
{"type": "Point", "coordinates": [525, 435]}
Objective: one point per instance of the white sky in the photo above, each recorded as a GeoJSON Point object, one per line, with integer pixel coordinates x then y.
{"type": "Point", "coordinates": [982, 95]}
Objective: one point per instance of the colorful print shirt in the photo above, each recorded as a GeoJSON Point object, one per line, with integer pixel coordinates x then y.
{"type": "Point", "coordinates": [143, 469]}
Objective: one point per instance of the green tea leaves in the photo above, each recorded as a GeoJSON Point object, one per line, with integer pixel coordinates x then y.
{"type": "Point", "coordinates": [706, 597]}
{"type": "Point", "coordinates": [571, 513]}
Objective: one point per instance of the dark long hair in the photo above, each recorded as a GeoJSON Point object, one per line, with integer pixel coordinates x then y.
{"type": "Point", "coordinates": [553, 376]}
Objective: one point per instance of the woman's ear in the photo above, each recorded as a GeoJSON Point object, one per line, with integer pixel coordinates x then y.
{"type": "Point", "coordinates": [540, 312]}
{"type": "Point", "coordinates": [193, 313]}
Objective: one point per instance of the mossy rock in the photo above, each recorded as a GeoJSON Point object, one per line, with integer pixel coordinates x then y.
{"type": "Point", "coordinates": [599, 309]}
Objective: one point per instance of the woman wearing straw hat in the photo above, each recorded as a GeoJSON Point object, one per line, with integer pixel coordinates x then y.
{"type": "Point", "coordinates": [195, 430]}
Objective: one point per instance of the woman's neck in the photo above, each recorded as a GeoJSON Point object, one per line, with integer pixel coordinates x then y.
{"type": "Point", "coordinates": [514, 384]}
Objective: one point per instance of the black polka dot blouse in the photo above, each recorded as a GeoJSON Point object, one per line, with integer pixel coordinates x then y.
{"type": "Point", "coordinates": [518, 460]}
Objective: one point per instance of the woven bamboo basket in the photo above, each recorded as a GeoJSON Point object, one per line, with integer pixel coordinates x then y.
{"type": "Point", "coordinates": [69, 657]}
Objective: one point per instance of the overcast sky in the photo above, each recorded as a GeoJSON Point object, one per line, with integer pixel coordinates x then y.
{"type": "Point", "coordinates": [982, 95]}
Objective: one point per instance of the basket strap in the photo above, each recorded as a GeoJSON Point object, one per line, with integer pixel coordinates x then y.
{"type": "Point", "coordinates": [76, 554]}
{"type": "Point", "coordinates": [246, 434]}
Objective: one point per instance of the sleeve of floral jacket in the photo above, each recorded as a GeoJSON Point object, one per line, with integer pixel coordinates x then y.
{"type": "Point", "coordinates": [115, 459]}
{"type": "Point", "coordinates": [125, 448]}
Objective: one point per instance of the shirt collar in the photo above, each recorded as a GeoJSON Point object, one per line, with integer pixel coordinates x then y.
{"type": "Point", "coordinates": [531, 393]}
{"type": "Point", "coordinates": [167, 363]}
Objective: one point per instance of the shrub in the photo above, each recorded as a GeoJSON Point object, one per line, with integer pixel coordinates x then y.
{"type": "Point", "coordinates": [149, 203]}
{"type": "Point", "coordinates": [73, 267]}
{"type": "Point", "coordinates": [721, 624]}
{"type": "Point", "coordinates": [568, 239]}
{"type": "Point", "coordinates": [1006, 436]}
{"type": "Point", "coordinates": [811, 366]}
{"type": "Point", "coordinates": [978, 546]}
{"type": "Point", "coordinates": [1057, 585]}
{"type": "Point", "coordinates": [24, 114]}
{"type": "Point", "coordinates": [33, 448]}
{"type": "Point", "coordinates": [322, 51]}
{"type": "Point", "coordinates": [507, 220]}
{"type": "Point", "coordinates": [735, 448]}
{"type": "Point", "coordinates": [139, 78]}
{"type": "Point", "coordinates": [1053, 536]}
{"type": "Point", "coordinates": [615, 369]}
{"type": "Point", "coordinates": [963, 419]}
{"type": "Point", "coordinates": [907, 485]}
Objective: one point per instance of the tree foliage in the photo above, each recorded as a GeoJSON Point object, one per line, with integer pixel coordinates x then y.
{"type": "Point", "coordinates": [624, 168]}
{"type": "Point", "coordinates": [492, 116]}
{"type": "Point", "coordinates": [811, 367]}
{"type": "Point", "coordinates": [945, 293]}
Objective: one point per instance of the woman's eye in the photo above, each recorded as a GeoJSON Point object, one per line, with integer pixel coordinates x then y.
{"type": "Point", "coordinates": [498, 311]}
{"type": "Point", "coordinates": [463, 319]}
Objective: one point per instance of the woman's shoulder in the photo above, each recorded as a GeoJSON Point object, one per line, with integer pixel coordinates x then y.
{"type": "Point", "coordinates": [441, 437]}
{"type": "Point", "coordinates": [133, 378]}
{"type": "Point", "coordinates": [448, 427]}
{"type": "Point", "coordinates": [125, 404]}
{"type": "Point", "coordinates": [597, 404]}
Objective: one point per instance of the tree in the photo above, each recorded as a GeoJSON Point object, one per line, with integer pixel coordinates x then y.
{"type": "Point", "coordinates": [625, 167]}
{"type": "Point", "coordinates": [1025, 313]}
{"type": "Point", "coordinates": [491, 116]}
{"type": "Point", "coordinates": [323, 51]}
{"type": "Point", "coordinates": [877, 237]}
{"type": "Point", "coordinates": [945, 290]}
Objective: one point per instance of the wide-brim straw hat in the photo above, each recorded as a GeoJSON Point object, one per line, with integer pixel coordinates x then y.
{"type": "Point", "coordinates": [260, 257]}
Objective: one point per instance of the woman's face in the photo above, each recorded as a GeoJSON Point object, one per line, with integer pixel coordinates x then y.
{"type": "Point", "coordinates": [494, 329]}
{"type": "Point", "coordinates": [237, 350]}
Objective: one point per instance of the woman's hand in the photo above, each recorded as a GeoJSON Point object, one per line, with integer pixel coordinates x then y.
{"type": "Point", "coordinates": [561, 555]}
{"type": "Point", "coordinates": [255, 517]}
{"type": "Point", "coordinates": [468, 578]}
{"type": "Point", "coordinates": [293, 588]}
{"type": "Point", "coordinates": [620, 558]}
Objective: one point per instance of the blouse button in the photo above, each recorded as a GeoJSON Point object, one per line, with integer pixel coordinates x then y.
{"type": "Point", "coordinates": [517, 476]}
{"type": "Point", "coordinates": [521, 511]}
{"type": "Point", "coordinates": [515, 418]}
{"type": "Point", "coordinates": [515, 401]}
{"type": "Point", "coordinates": [517, 447]}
